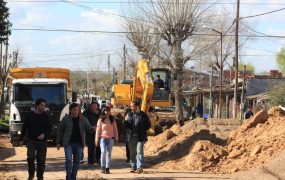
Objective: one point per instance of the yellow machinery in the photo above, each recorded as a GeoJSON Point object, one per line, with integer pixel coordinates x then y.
{"type": "Point", "coordinates": [41, 72]}
{"type": "Point", "coordinates": [142, 89]}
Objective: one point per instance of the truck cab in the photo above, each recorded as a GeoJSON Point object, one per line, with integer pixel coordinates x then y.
{"type": "Point", "coordinates": [26, 90]}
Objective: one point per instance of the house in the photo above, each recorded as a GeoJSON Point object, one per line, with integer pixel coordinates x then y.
{"type": "Point", "coordinates": [257, 89]}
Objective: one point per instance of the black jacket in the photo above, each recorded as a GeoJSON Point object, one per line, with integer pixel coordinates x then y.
{"type": "Point", "coordinates": [92, 117]}
{"type": "Point", "coordinates": [138, 123]}
{"type": "Point", "coordinates": [36, 124]}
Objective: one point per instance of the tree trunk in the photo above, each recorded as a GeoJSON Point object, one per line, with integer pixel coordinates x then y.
{"type": "Point", "coordinates": [3, 103]}
{"type": "Point", "coordinates": [178, 83]}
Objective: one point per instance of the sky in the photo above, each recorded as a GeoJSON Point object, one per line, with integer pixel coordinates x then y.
{"type": "Point", "coordinates": [83, 51]}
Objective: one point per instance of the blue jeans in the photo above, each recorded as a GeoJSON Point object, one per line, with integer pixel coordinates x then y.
{"type": "Point", "coordinates": [106, 146]}
{"type": "Point", "coordinates": [75, 150]}
{"type": "Point", "coordinates": [136, 152]}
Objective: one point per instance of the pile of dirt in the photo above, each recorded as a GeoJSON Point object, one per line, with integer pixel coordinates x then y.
{"type": "Point", "coordinates": [203, 155]}
{"type": "Point", "coordinates": [175, 144]}
{"type": "Point", "coordinates": [270, 171]}
{"type": "Point", "coordinates": [193, 148]}
{"type": "Point", "coordinates": [257, 141]}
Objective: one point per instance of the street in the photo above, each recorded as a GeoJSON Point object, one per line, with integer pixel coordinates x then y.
{"type": "Point", "coordinates": [13, 166]}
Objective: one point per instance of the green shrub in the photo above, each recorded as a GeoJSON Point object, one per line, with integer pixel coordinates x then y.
{"type": "Point", "coordinates": [277, 96]}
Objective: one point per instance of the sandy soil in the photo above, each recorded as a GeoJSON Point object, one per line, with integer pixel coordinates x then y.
{"type": "Point", "coordinates": [13, 167]}
{"type": "Point", "coordinates": [214, 149]}
{"type": "Point", "coordinates": [222, 146]}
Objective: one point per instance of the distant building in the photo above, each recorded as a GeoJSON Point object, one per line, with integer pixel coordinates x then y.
{"type": "Point", "coordinates": [257, 89]}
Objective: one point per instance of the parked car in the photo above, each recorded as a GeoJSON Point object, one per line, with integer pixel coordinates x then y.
{"type": "Point", "coordinates": [104, 103]}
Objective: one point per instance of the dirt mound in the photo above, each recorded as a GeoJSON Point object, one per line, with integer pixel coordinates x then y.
{"type": "Point", "coordinates": [173, 148]}
{"type": "Point", "coordinates": [257, 141]}
{"type": "Point", "coordinates": [220, 127]}
{"type": "Point", "coordinates": [203, 155]}
{"type": "Point", "coordinates": [254, 143]}
{"type": "Point", "coordinates": [270, 171]}
{"type": "Point", "coordinates": [152, 145]}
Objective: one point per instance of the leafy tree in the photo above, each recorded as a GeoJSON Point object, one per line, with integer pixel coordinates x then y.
{"type": "Point", "coordinates": [280, 60]}
{"type": "Point", "coordinates": [249, 67]}
{"type": "Point", "coordinates": [4, 21]}
{"type": "Point", "coordinates": [5, 31]}
{"type": "Point", "coordinates": [276, 96]}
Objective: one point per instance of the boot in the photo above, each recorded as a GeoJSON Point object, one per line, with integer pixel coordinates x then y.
{"type": "Point", "coordinates": [31, 175]}
{"type": "Point", "coordinates": [107, 171]}
{"type": "Point", "coordinates": [103, 170]}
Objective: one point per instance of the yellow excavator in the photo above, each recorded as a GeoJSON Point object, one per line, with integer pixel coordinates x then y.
{"type": "Point", "coordinates": [143, 88]}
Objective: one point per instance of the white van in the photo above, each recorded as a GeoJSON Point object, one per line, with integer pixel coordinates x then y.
{"type": "Point", "coordinates": [103, 103]}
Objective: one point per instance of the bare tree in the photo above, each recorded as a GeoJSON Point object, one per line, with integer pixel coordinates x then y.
{"type": "Point", "coordinates": [141, 33]}
{"type": "Point", "coordinates": [176, 21]}
{"type": "Point", "coordinates": [8, 63]}
{"type": "Point", "coordinates": [208, 47]}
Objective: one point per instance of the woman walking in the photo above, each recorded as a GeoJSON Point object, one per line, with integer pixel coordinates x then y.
{"type": "Point", "coordinates": [106, 134]}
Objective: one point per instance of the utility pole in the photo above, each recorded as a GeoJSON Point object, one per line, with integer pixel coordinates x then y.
{"type": "Point", "coordinates": [211, 93]}
{"type": "Point", "coordinates": [6, 57]}
{"type": "Point", "coordinates": [236, 61]}
{"type": "Point", "coordinates": [242, 93]}
{"type": "Point", "coordinates": [115, 81]}
{"type": "Point", "coordinates": [109, 65]}
{"type": "Point", "coordinates": [125, 62]}
{"type": "Point", "coordinates": [221, 74]}
{"type": "Point", "coordinates": [1, 49]}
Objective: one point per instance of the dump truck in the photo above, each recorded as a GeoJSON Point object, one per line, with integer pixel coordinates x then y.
{"type": "Point", "coordinates": [29, 84]}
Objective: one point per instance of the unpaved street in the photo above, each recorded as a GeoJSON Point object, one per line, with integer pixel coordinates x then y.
{"type": "Point", "coordinates": [13, 166]}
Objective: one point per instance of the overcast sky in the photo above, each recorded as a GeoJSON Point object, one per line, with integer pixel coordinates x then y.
{"type": "Point", "coordinates": [86, 50]}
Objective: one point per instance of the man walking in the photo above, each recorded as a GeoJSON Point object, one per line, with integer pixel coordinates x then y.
{"type": "Point", "coordinates": [37, 126]}
{"type": "Point", "coordinates": [92, 114]}
{"type": "Point", "coordinates": [137, 122]}
{"type": "Point", "coordinates": [71, 133]}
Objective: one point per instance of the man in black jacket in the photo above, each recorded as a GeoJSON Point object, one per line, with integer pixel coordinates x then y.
{"type": "Point", "coordinates": [137, 122]}
{"type": "Point", "coordinates": [37, 126]}
{"type": "Point", "coordinates": [92, 114]}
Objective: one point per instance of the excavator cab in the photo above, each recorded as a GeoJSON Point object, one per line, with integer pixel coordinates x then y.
{"type": "Point", "coordinates": [162, 87]}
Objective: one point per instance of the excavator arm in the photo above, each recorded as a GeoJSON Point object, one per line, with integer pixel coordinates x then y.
{"type": "Point", "coordinates": [142, 89]}
{"type": "Point", "coordinates": [143, 85]}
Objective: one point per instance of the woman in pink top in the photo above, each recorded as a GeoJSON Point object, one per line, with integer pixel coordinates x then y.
{"type": "Point", "coordinates": [106, 133]}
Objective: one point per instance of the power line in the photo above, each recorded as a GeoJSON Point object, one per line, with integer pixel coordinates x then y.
{"type": "Point", "coordinates": [259, 33]}
{"type": "Point", "coordinates": [70, 30]}
{"type": "Point", "coordinates": [73, 54]}
{"type": "Point", "coordinates": [262, 14]}
{"type": "Point", "coordinates": [100, 11]}
{"type": "Point", "coordinates": [126, 32]}
{"type": "Point", "coordinates": [142, 2]}
{"type": "Point", "coordinates": [80, 57]}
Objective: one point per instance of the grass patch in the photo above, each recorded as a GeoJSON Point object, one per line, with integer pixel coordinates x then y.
{"type": "Point", "coordinates": [4, 123]}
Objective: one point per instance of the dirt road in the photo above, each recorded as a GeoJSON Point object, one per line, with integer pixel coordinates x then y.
{"type": "Point", "coordinates": [13, 166]}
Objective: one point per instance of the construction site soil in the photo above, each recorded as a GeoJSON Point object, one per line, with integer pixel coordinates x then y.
{"type": "Point", "coordinates": [253, 149]}
{"type": "Point", "coordinates": [222, 146]}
